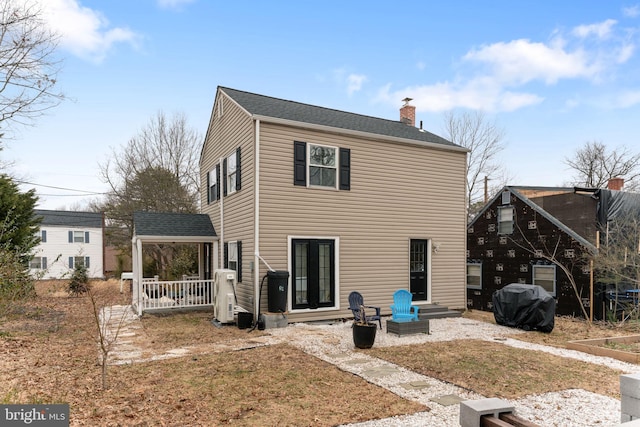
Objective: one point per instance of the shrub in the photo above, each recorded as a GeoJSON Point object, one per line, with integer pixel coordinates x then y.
{"type": "Point", "coordinates": [79, 282]}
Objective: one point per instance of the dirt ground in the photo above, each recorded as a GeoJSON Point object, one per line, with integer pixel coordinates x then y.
{"type": "Point", "coordinates": [49, 354]}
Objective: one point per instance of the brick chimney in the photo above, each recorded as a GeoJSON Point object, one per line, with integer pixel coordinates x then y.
{"type": "Point", "coordinates": [615, 183]}
{"type": "Point", "coordinates": [408, 113]}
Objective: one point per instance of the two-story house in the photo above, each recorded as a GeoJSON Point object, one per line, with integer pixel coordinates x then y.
{"type": "Point", "coordinates": [66, 239]}
{"type": "Point", "coordinates": [545, 236]}
{"type": "Point", "coordinates": [339, 201]}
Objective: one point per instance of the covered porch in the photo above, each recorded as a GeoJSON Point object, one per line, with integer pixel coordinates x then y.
{"type": "Point", "coordinates": [188, 291]}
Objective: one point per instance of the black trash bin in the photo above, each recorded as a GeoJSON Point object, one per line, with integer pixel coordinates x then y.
{"type": "Point", "coordinates": [277, 292]}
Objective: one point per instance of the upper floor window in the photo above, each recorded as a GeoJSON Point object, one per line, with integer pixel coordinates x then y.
{"type": "Point", "coordinates": [76, 236]}
{"type": "Point", "coordinates": [232, 168]}
{"type": "Point", "coordinates": [505, 220]}
{"type": "Point", "coordinates": [43, 236]}
{"type": "Point", "coordinates": [321, 166]}
{"type": "Point", "coordinates": [231, 173]}
{"type": "Point", "coordinates": [213, 189]}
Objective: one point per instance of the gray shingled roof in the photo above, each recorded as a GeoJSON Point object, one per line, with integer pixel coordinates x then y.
{"type": "Point", "coordinates": [172, 224]}
{"type": "Point", "coordinates": [282, 109]}
{"type": "Point", "coordinates": [70, 218]}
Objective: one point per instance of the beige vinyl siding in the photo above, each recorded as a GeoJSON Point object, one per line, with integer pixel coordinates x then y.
{"type": "Point", "coordinates": [228, 132]}
{"type": "Point", "coordinates": [398, 192]}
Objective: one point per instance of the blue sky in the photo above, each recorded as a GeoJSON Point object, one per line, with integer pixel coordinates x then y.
{"type": "Point", "coordinates": [552, 74]}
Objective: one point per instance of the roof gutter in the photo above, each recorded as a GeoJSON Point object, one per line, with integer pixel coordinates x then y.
{"type": "Point", "coordinates": [358, 133]}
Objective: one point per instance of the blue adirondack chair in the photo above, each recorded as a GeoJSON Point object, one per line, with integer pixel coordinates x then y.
{"type": "Point", "coordinates": [402, 308]}
{"type": "Point", "coordinates": [355, 301]}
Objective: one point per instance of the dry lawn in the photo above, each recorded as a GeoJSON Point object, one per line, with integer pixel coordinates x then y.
{"type": "Point", "coordinates": [48, 354]}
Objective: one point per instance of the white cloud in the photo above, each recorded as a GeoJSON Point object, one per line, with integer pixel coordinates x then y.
{"type": "Point", "coordinates": [509, 75]}
{"type": "Point", "coordinates": [173, 4]}
{"type": "Point", "coordinates": [631, 11]}
{"type": "Point", "coordinates": [627, 99]}
{"type": "Point", "coordinates": [84, 32]}
{"type": "Point", "coordinates": [354, 82]}
{"type": "Point", "coordinates": [521, 61]}
{"type": "Point", "coordinates": [480, 94]}
{"type": "Point", "coordinates": [601, 30]}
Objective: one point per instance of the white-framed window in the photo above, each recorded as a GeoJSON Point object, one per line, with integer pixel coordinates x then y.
{"type": "Point", "coordinates": [545, 276]}
{"type": "Point", "coordinates": [233, 255]}
{"type": "Point", "coordinates": [76, 236]}
{"type": "Point", "coordinates": [38, 263]}
{"type": "Point", "coordinates": [506, 197]}
{"type": "Point", "coordinates": [323, 166]}
{"type": "Point", "coordinates": [213, 192]}
{"type": "Point", "coordinates": [79, 260]}
{"type": "Point", "coordinates": [232, 173]}
{"type": "Point", "coordinates": [505, 220]}
{"type": "Point", "coordinates": [474, 275]}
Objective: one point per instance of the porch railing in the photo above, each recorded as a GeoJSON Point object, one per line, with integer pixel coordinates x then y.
{"type": "Point", "coordinates": [160, 295]}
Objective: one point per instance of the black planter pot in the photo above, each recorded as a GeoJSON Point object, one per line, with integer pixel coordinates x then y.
{"type": "Point", "coordinates": [364, 335]}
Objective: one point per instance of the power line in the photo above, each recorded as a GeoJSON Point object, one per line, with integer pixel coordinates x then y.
{"type": "Point", "coordinates": [87, 193]}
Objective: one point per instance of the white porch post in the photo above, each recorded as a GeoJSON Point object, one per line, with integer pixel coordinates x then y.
{"type": "Point", "coordinates": [137, 273]}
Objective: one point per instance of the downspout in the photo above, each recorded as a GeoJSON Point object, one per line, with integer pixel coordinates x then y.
{"type": "Point", "coordinates": [256, 224]}
{"type": "Point", "coordinates": [221, 253]}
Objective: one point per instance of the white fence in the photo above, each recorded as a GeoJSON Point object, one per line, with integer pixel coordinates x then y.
{"type": "Point", "coordinates": [153, 294]}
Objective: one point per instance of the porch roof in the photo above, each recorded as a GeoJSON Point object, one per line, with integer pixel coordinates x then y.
{"type": "Point", "coordinates": [173, 227]}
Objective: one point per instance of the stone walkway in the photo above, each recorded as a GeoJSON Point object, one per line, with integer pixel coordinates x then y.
{"type": "Point", "coordinates": [333, 344]}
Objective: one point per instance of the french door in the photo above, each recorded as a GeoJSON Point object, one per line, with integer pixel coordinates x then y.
{"type": "Point", "coordinates": [313, 281]}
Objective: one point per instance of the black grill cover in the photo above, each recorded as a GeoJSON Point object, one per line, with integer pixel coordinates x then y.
{"type": "Point", "coordinates": [527, 307]}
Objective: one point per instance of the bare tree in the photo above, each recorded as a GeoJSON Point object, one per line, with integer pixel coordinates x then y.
{"type": "Point", "coordinates": [157, 171]}
{"type": "Point", "coordinates": [484, 139]}
{"type": "Point", "coordinates": [109, 322]}
{"type": "Point", "coordinates": [549, 250]}
{"type": "Point", "coordinates": [164, 144]}
{"type": "Point", "coordinates": [594, 165]}
{"type": "Point", "coordinates": [618, 262]}
{"type": "Point", "coordinates": [28, 68]}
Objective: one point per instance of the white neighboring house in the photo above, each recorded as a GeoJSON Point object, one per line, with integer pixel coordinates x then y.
{"type": "Point", "coordinates": [68, 238]}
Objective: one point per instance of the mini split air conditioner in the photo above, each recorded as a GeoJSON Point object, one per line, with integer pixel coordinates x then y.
{"type": "Point", "coordinates": [224, 295]}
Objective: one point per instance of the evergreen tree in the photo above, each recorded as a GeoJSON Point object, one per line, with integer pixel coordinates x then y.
{"type": "Point", "coordinates": [18, 225]}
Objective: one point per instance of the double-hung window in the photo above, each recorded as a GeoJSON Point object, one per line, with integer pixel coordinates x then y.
{"type": "Point", "coordinates": [545, 276]}
{"type": "Point", "coordinates": [233, 257]}
{"type": "Point", "coordinates": [474, 275]}
{"type": "Point", "coordinates": [213, 189]}
{"type": "Point", "coordinates": [505, 220]}
{"type": "Point", "coordinates": [314, 273]}
{"type": "Point", "coordinates": [231, 173]}
{"type": "Point", "coordinates": [78, 261]}
{"type": "Point", "coordinates": [321, 166]}
{"type": "Point", "coordinates": [78, 236]}
{"type": "Point", "coordinates": [38, 263]}
{"type": "Point", "coordinates": [232, 168]}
